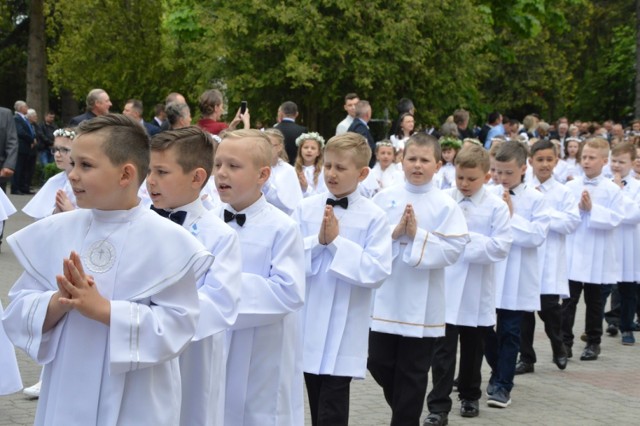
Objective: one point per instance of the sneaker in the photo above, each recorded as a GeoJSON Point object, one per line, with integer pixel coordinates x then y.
{"type": "Point", "coordinates": [469, 408]}
{"type": "Point", "coordinates": [33, 392]}
{"type": "Point", "coordinates": [436, 419]}
{"type": "Point", "coordinates": [628, 339]}
{"type": "Point", "coordinates": [501, 398]}
{"type": "Point", "coordinates": [491, 386]}
{"type": "Point", "coordinates": [612, 330]}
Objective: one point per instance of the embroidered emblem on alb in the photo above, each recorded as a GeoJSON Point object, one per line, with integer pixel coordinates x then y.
{"type": "Point", "coordinates": [100, 257]}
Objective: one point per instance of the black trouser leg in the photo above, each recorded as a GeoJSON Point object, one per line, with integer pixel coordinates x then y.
{"type": "Point", "coordinates": [471, 350]}
{"type": "Point", "coordinates": [551, 314]}
{"type": "Point", "coordinates": [569, 312]}
{"type": "Point", "coordinates": [527, 328]}
{"type": "Point", "coordinates": [328, 399]}
{"type": "Point", "coordinates": [443, 370]}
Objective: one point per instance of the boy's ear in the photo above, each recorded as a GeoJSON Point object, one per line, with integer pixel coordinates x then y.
{"type": "Point", "coordinates": [487, 177]}
{"type": "Point", "coordinates": [364, 172]}
{"type": "Point", "coordinates": [129, 174]}
{"type": "Point", "coordinates": [523, 168]}
{"type": "Point", "coordinates": [438, 165]}
{"type": "Point", "coordinates": [265, 174]}
{"type": "Point", "coordinates": [199, 178]}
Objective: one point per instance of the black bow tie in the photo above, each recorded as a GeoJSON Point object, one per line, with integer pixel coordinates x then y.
{"type": "Point", "coordinates": [342, 202]}
{"type": "Point", "coordinates": [511, 192]}
{"type": "Point", "coordinates": [176, 216]}
{"type": "Point", "coordinates": [240, 218]}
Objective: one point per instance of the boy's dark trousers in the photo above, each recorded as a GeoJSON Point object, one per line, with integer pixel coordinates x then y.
{"type": "Point", "coordinates": [400, 365]}
{"type": "Point", "coordinates": [594, 312]}
{"type": "Point", "coordinates": [328, 399]}
{"type": "Point", "coordinates": [444, 366]}
{"type": "Point", "coordinates": [502, 346]}
{"type": "Point", "coordinates": [551, 314]}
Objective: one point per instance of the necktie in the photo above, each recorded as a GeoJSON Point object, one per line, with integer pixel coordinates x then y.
{"type": "Point", "coordinates": [175, 216]}
{"type": "Point", "coordinates": [240, 218]}
{"type": "Point", "coordinates": [342, 202]}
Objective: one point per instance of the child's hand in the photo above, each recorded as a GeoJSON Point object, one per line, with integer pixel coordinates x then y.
{"type": "Point", "coordinates": [617, 179]}
{"type": "Point", "coordinates": [507, 199]}
{"type": "Point", "coordinates": [329, 228]}
{"type": "Point", "coordinates": [63, 204]}
{"type": "Point", "coordinates": [585, 201]}
{"type": "Point", "coordinates": [303, 181]}
{"type": "Point", "coordinates": [84, 295]}
{"type": "Point", "coordinates": [401, 227]}
{"type": "Point", "coordinates": [412, 223]}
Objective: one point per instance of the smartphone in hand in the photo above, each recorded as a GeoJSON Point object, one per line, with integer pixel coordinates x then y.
{"type": "Point", "coordinates": [243, 107]}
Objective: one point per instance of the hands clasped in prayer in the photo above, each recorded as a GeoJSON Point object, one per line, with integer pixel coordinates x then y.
{"type": "Point", "coordinates": [408, 225]}
{"type": "Point", "coordinates": [77, 290]}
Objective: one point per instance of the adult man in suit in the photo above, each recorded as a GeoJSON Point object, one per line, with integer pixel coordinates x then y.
{"type": "Point", "coordinates": [133, 108]}
{"type": "Point", "coordinates": [8, 146]}
{"type": "Point", "coordinates": [350, 101]}
{"type": "Point", "coordinates": [26, 142]}
{"type": "Point", "coordinates": [360, 126]}
{"type": "Point", "coordinates": [8, 151]}
{"type": "Point", "coordinates": [287, 114]}
{"type": "Point", "coordinates": [98, 103]}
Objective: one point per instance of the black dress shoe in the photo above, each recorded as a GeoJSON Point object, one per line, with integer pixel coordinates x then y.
{"type": "Point", "coordinates": [437, 419]}
{"type": "Point", "coordinates": [523, 367]}
{"type": "Point", "coordinates": [560, 361]}
{"type": "Point", "coordinates": [469, 408]}
{"type": "Point", "coordinates": [590, 353]}
{"type": "Point", "coordinates": [612, 330]}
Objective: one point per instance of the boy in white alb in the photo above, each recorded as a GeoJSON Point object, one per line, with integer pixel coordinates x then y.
{"type": "Point", "coordinates": [591, 260]}
{"type": "Point", "coordinates": [264, 364]}
{"type": "Point", "coordinates": [552, 258]}
{"type": "Point", "coordinates": [181, 161]}
{"type": "Point", "coordinates": [429, 232]}
{"type": "Point", "coordinates": [347, 255]}
{"type": "Point", "coordinates": [109, 340]}
{"type": "Point", "coordinates": [470, 286]}
{"type": "Point", "coordinates": [517, 277]}
{"type": "Point", "coordinates": [627, 236]}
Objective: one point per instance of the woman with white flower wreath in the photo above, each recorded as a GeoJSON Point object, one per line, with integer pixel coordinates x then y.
{"type": "Point", "coordinates": [56, 195]}
{"type": "Point", "coordinates": [309, 163]}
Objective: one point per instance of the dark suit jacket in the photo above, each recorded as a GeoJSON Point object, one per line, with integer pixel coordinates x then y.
{"type": "Point", "coordinates": [359, 127]}
{"type": "Point", "coordinates": [80, 118]}
{"type": "Point", "coordinates": [150, 128]}
{"type": "Point", "coordinates": [291, 131]}
{"type": "Point", "coordinates": [26, 135]}
{"type": "Point", "coordinates": [8, 140]}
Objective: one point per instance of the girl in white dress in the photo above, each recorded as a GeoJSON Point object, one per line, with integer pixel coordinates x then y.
{"type": "Point", "coordinates": [572, 151]}
{"type": "Point", "coordinates": [385, 171]}
{"type": "Point", "coordinates": [447, 173]}
{"type": "Point", "coordinates": [56, 195]}
{"type": "Point", "coordinates": [309, 163]}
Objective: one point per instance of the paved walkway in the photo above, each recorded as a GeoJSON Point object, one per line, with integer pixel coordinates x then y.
{"type": "Point", "coordinates": [604, 392]}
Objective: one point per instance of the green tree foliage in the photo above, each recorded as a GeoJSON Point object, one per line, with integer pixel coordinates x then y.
{"type": "Point", "coordinates": [115, 45]}
{"type": "Point", "coordinates": [314, 52]}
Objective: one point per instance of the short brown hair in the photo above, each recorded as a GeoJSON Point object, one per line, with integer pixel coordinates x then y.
{"type": "Point", "coordinates": [124, 140]}
{"type": "Point", "coordinates": [261, 151]}
{"type": "Point", "coordinates": [423, 139]}
{"type": "Point", "coordinates": [624, 148]}
{"type": "Point", "coordinates": [513, 151]}
{"type": "Point", "coordinates": [472, 156]}
{"type": "Point", "coordinates": [193, 148]}
{"type": "Point", "coordinates": [352, 143]}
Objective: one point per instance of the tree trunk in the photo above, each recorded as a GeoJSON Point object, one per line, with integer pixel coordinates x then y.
{"type": "Point", "coordinates": [37, 84]}
{"type": "Point", "coordinates": [637, 59]}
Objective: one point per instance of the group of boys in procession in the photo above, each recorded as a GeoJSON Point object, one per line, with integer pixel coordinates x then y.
{"type": "Point", "coordinates": [200, 280]}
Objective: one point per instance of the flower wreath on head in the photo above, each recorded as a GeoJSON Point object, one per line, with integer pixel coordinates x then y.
{"type": "Point", "coordinates": [450, 142]}
{"type": "Point", "coordinates": [384, 142]}
{"type": "Point", "coordinates": [311, 135]}
{"type": "Point", "coordinates": [64, 133]}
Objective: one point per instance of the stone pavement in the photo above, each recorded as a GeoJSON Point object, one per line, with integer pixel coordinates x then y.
{"type": "Point", "coordinates": [603, 392]}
